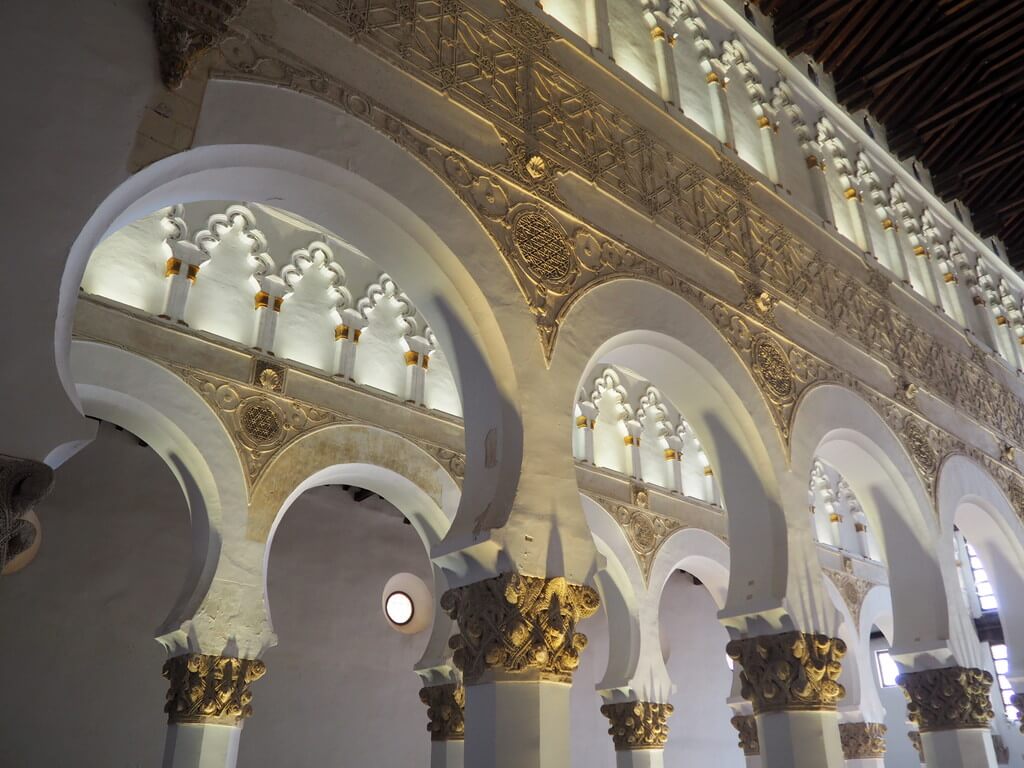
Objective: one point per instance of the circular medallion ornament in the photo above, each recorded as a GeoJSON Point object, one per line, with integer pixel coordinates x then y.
{"type": "Point", "coordinates": [920, 449]}
{"type": "Point", "coordinates": [772, 366]}
{"type": "Point", "coordinates": [542, 243]}
{"type": "Point", "coordinates": [261, 422]}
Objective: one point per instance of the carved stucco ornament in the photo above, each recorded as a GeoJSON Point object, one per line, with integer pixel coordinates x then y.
{"type": "Point", "coordinates": [504, 61]}
{"type": "Point", "coordinates": [186, 29]}
{"type": "Point", "coordinates": [853, 590]}
{"type": "Point", "coordinates": [790, 671]}
{"type": "Point", "coordinates": [637, 724]}
{"type": "Point", "coordinates": [948, 698]}
{"type": "Point", "coordinates": [210, 689]}
{"type": "Point", "coordinates": [517, 624]}
{"type": "Point", "coordinates": [263, 422]}
{"type": "Point", "coordinates": [862, 741]}
{"type": "Point", "coordinates": [446, 711]}
{"type": "Point", "coordinates": [746, 729]}
{"type": "Point", "coordinates": [646, 531]}
{"type": "Point", "coordinates": [23, 483]}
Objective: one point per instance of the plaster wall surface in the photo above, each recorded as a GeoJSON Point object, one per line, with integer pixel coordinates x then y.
{"type": "Point", "coordinates": [76, 77]}
{"type": "Point", "coordinates": [694, 641]}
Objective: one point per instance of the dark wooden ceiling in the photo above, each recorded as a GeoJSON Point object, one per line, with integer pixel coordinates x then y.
{"type": "Point", "coordinates": [945, 78]}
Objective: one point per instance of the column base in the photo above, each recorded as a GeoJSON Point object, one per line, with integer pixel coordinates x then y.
{"type": "Point", "coordinates": [513, 724]}
{"type": "Point", "coordinates": [201, 745]}
{"type": "Point", "coordinates": [800, 740]}
{"type": "Point", "coordinates": [959, 748]}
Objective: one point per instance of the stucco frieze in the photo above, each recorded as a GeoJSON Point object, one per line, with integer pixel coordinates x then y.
{"type": "Point", "coordinates": [572, 129]}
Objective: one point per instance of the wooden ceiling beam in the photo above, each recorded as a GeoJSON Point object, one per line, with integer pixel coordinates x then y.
{"type": "Point", "coordinates": [981, 17]}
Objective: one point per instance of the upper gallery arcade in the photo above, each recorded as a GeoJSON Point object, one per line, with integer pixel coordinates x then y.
{"type": "Point", "coordinates": [483, 384]}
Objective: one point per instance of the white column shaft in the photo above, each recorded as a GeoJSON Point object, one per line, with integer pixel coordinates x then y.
{"type": "Point", "coordinates": [800, 740]}
{"type": "Point", "coordinates": [194, 745]}
{"type": "Point", "coordinates": [517, 725]}
{"type": "Point", "coordinates": [962, 748]}
{"type": "Point", "coordinates": [640, 758]}
{"type": "Point", "coordinates": [447, 754]}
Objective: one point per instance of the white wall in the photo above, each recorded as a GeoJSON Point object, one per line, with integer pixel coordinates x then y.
{"type": "Point", "coordinates": [694, 641]}
{"type": "Point", "coordinates": [77, 76]}
{"type": "Point", "coordinates": [78, 624]}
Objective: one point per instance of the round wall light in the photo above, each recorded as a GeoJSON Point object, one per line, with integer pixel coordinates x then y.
{"type": "Point", "coordinates": [407, 603]}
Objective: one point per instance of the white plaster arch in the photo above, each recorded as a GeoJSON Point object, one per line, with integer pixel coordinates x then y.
{"type": "Point", "coordinates": [673, 345]}
{"type": "Point", "coordinates": [160, 408]}
{"type": "Point", "coordinates": [970, 499]}
{"type": "Point", "coordinates": [388, 464]}
{"type": "Point", "coordinates": [622, 590]}
{"type": "Point", "coordinates": [698, 552]}
{"type": "Point", "coordinates": [346, 177]}
{"type": "Point", "coordinates": [836, 425]}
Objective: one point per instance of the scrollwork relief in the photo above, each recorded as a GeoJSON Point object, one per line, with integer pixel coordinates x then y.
{"type": "Point", "coordinates": [948, 698]}
{"type": "Point", "coordinates": [210, 689]}
{"type": "Point", "coordinates": [637, 724]}
{"type": "Point", "coordinates": [514, 624]}
{"type": "Point", "coordinates": [790, 671]}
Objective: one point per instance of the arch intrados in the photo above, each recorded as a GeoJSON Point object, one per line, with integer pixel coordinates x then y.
{"type": "Point", "coordinates": [672, 344]}
{"type": "Point", "coordinates": [173, 419]}
{"type": "Point", "coordinates": [621, 587]}
{"type": "Point", "coordinates": [835, 424]}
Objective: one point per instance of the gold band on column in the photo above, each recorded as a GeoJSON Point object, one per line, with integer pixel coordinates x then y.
{"type": "Point", "coordinates": [862, 741]}
{"type": "Point", "coordinates": [791, 671]}
{"type": "Point", "coordinates": [638, 724]}
{"type": "Point", "coordinates": [446, 710]}
{"type": "Point", "coordinates": [516, 624]}
{"type": "Point", "coordinates": [210, 689]}
{"type": "Point", "coordinates": [746, 729]}
{"type": "Point", "coordinates": [948, 698]}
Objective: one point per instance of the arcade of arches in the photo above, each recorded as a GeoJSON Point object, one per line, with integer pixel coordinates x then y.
{"type": "Point", "coordinates": [493, 385]}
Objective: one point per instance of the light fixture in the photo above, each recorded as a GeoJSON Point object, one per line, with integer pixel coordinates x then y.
{"type": "Point", "coordinates": [407, 603]}
{"type": "Point", "coordinates": [399, 608]}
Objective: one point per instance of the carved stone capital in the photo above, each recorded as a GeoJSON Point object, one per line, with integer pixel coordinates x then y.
{"type": "Point", "coordinates": [948, 698]}
{"type": "Point", "coordinates": [23, 482]}
{"type": "Point", "coordinates": [790, 671]}
{"type": "Point", "coordinates": [210, 689]}
{"type": "Point", "coordinates": [638, 724]}
{"type": "Point", "coordinates": [186, 29]}
{"type": "Point", "coordinates": [446, 709]}
{"type": "Point", "coordinates": [515, 624]}
{"type": "Point", "coordinates": [746, 728]}
{"type": "Point", "coordinates": [862, 741]}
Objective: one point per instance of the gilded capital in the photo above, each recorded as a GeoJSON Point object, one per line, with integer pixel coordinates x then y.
{"type": "Point", "coordinates": [638, 724]}
{"type": "Point", "coordinates": [948, 698]}
{"type": "Point", "coordinates": [210, 689]}
{"type": "Point", "coordinates": [862, 741]}
{"type": "Point", "coordinates": [446, 708]}
{"type": "Point", "coordinates": [790, 671]}
{"type": "Point", "coordinates": [746, 728]}
{"type": "Point", "coordinates": [515, 624]}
